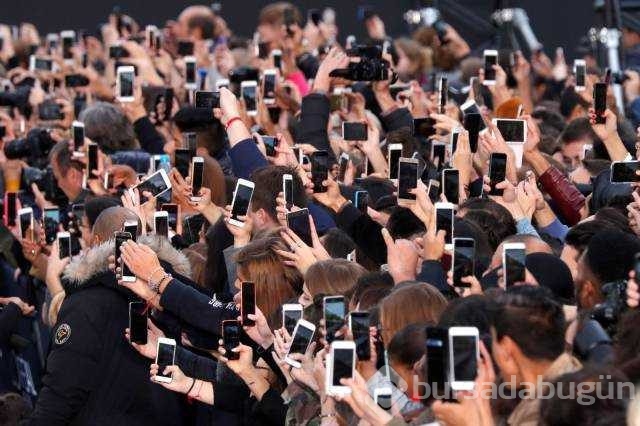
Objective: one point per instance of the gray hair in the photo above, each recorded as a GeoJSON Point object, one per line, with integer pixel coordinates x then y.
{"type": "Point", "coordinates": [106, 125]}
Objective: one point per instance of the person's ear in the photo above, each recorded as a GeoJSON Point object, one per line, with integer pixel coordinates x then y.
{"type": "Point", "coordinates": [588, 294]}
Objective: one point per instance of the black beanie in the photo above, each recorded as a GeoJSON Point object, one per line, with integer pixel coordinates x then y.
{"type": "Point", "coordinates": [611, 255]}
{"type": "Point", "coordinates": [554, 274]}
{"type": "Point", "coordinates": [94, 206]}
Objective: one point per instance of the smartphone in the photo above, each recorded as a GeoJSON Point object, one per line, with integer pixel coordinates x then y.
{"type": "Point", "coordinates": [269, 86]}
{"type": "Point", "coordinates": [248, 93]}
{"type": "Point", "coordinates": [393, 157]}
{"type": "Point", "coordinates": [359, 325]}
{"type": "Point", "coordinates": [64, 244]}
{"type": "Point", "coordinates": [444, 220]}
{"type": "Point", "coordinates": [625, 171]}
{"type": "Point", "coordinates": [341, 365]}
{"type": "Point", "coordinates": [497, 171]}
{"type": "Point", "coordinates": [407, 179]}
{"type": "Point", "coordinates": [438, 154]}
{"type": "Point", "coordinates": [116, 51]}
{"type": "Point", "coordinates": [241, 200]}
{"type": "Point", "coordinates": [231, 330]}
{"type": "Point", "coordinates": [125, 80]}
{"type": "Point", "coordinates": [172, 215]}
{"type": "Point", "coordinates": [600, 101]}
{"type": "Point", "coordinates": [270, 144]}
{"type": "Point", "coordinates": [512, 130]}
{"type": "Point", "coordinates": [319, 170]}
{"type": "Point", "coordinates": [443, 91]}
{"type": "Point", "coordinates": [197, 176]}
{"type": "Point", "coordinates": [300, 340]}
{"type": "Point", "coordinates": [361, 201]}
{"type": "Point", "coordinates": [157, 184]}
{"type": "Point", "coordinates": [161, 223]}
{"type": "Point", "coordinates": [248, 305]}
{"type": "Point", "coordinates": [298, 222]}
{"type": "Point", "coordinates": [424, 127]}
{"type": "Point", "coordinates": [165, 356]}
{"type": "Point", "coordinates": [138, 322]}
{"type": "Point", "coordinates": [434, 190]}
{"type": "Point", "coordinates": [51, 221]}
{"type": "Point", "coordinates": [437, 357]}
{"type": "Point", "coordinates": [92, 159]}
{"type": "Point", "coordinates": [77, 211]}
{"type": "Point", "coordinates": [464, 250]}
{"type": "Point", "coordinates": [473, 124]}
{"type": "Point", "coordinates": [121, 237]}
{"type": "Point", "coordinates": [354, 131]}
{"type": "Point", "coordinates": [291, 314]}
{"type": "Point", "coordinates": [276, 54]}
{"type": "Point", "coordinates": [131, 226]}
{"type": "Point", "coordinates": [490, 59]}
{"type": "Point", "coordinates": [25, 221]}
{"type": "Point", "coordinates": [68, 40]}
{"type": "Point", "coordinates": [78, 137]}
{"type": "Point", "coordinates": [207, 100]}
{"type": "Point", "coordinates": [513, 263]}
{"type": "Point", "coordinates": [333, 308]}
{"type": "Point", "coordinates": [49, 110]}
{"type": "Point", "coordinates": [580, 71]}
{"type": "Point", "coordinates": [287, 190]}
{"type": "Point", "coordinates": [463, 357]}
{"type": "Point", "coordinates": [10, 208]}
{"type": "Point", "coordinates": [382, 397]}
{"type": "Point", "coordinates": [40, 64]}
{"type": "Point", "coordinates": [190, 72]}
{"type": "Point", "coordinates": [182, 161]}
{"type": "Point", "coordinates": [185, 48]}
{"type": "Point", "coordinates": [451, 185]}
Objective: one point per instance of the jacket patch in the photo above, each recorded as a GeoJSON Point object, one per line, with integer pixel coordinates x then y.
{"type": "Point", "coordinates": [62, 334]}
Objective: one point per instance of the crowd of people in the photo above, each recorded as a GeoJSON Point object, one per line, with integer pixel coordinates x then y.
{"type": "Point", "coordinates": [305, 228]}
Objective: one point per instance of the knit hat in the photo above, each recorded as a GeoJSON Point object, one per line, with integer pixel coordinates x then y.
{"type": "Point", "coordinates": [553, 273]}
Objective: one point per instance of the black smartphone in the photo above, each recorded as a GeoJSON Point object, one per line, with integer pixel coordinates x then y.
{"type": "Point", "coordinates": [407, 178]}
{"type": "Point", "coordinates": [298, 222]}
{"type": "Point", "coordinates": [497, 171]}
{"type": "Point", "coordinates": [354, 131]}
{"type": "Point", "coordinates": [443, 91]}
{"type": "Point", "coordinates": [269, 87]}
{"type": "Point", "coordinates": [287, 190]}
{"type": "Point", "coordinates": [263, 50]}
{"type": "Point", "coordinates": [625, 171]}
{"type": "Point", "coordinates": [434, 190]}
{"type": "Point", "coordinates": [231, 338]}
{"type": "Point", "coordinates": [511, 130]}
{"type": "Point", "coordinates": [92, 162]}
{"type": "Point", "coordinates": [451, 185]}
{"type": "Point", "coordinates": [464, 250]}
{"type": "Point", "coordinates": [138, 322]}
{"type": "Point", "coordinates": [334, 312]}
{"type": "Point", "coordinates": [50, 111]}
{"type": "Point", "coordinates": [394, 152]}
{"type": "Point", "coordinates": [472, 123]}
{"type": "Point", "coordinates": [600, 101]}
{"type": "Point", "coordinates": [166, 356]}
{"type": "Point", "coordinates": [241, 200]}
{"type": "Point", "coordinates": [319, 170]}
{"type": "Point", "coordinates": [172, 210]}
{"type": "Point", "coordinates": [359, 324]}
{"type": "Point", "coordinates": [75, 80]}
{"type": "Point", "coordinates": [185, 48]}
{"type": "Point", "coordinates": [424, 127]}
{"type": "Point", "coordinates": [126, 273]}
{"type": "Point", "coordinates": [361, 201]}
{"type": "Point", "coordinates": [182, 161]}
{"type": "Point", "coordinates": [116, 51]}
{"type": "Point", "coordinates": [51, 219]}
{"type": "Point", "coordinates": [270, 144]}
{"type": "Point", "coordinates": [444, 220]}
{"type": "Point", "coordinates": [437, 355]}
{"type": "Point", "coordinates": [207, 100]}
{"type": "Point", "coordinates": [11, 208]}
{"type": "Point", "coordinates": [438, 154]}
{"type": "Point", "coordinates": [248, 305]}
{"type": "Point", "coordinates": [513, 263]}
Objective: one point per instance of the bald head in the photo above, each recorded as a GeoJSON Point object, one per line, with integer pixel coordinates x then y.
{"type": "Point", "coordinates": [111, 220]}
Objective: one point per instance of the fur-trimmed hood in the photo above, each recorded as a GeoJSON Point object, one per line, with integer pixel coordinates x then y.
{"type": "Point", "coordinates": [95, 260]}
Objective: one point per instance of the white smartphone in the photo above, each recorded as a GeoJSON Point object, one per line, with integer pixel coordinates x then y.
{"type": "Point", "coordinates": [248, 93]}
{"type": "Point", "coordinates": [131, 226]}
{"type": "Point", "coordinates": [341, 364]}
{"type": "Point", "coordinates": [382, 397]}
{"type": "Point", "coordinates": [68, 40]}
{"type": "Point", "coordinates": [393, 158]}
{"type": "Point", "coordinates": [161, 223]}
{"type": "Point", "coordinates": [197, 175]}
{"type": "Point", "coordinates": [25, 223]}
{"type": "Point", "coordinates": [444, 221]}
{"type": "Point", "coordinates": [190, 72]}
{"type": "Point", "coordinates": [165, 356]}
{"type": "Point", "coordinates": [490, 59]}
{"type": "Point", "coordinates": [64, 244]}
{"type": "Point", "coordinates": [287, 190]}
{"type": "Point", "coordinates": [269, 81]}
{"type": "Point", "coordinates": [125, 80]}
{"type": "Point", "coordinates": [513, 263]}
{"type": "Point", "coordinates": [222, 82]}
{"type": "Point", "coordinates": [291, 314]}
{"type": "Point", "coordinates": [463, 357]}
{"type": "Point", "coordinates": [241, 200]}
{"type": "Point", "coordinates": [301, 338]}
{"type": "Point", "coordinates": [40, 64]}
{"type": "Point", "coordinates": [157, 184]}
{"type": "Point", "coordinates": [580, 71]}
{"type": "Point", "coordinates": [78, 138]}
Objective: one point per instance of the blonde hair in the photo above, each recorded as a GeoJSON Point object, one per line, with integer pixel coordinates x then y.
{"type": "Point", "coordinates": [54, 307]}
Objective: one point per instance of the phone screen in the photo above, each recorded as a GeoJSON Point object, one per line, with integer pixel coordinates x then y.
{"type": "Point", "coordinates": [319, 170]}
{"type": "Point", "coordinates": [443, 92]}
{"type": "Point", "coordinates": [231, 337]}
{"type": "Point", "coordinates": [196, 179]}
{"type": "Point", "coordinates": [182, 157]}
{"type": "Point", "coordinates": [362, 201]}
{"type": "Point", "coordinates": [51, 223]}
{"type": "Point", "coordinates": [92, 163]}
{"type": "Point", "coordinates": [64, 246]}
{"type": "Point", "coordinates": [515, 264]}
{"type": "Point", "coordinates": [249, 96]}
{"type": "Point", "coordinates": [434, 191]}
{"type": "Point", "coordinates": [436, 345]}
{"type": "Point", "coordinates": [444, 220]}
{"type": "Point", "coordinates": [172, 210]}
{"type": "Point", "coordinates": [600, 98]}
{"type": "Point", "coordinates": [581, 74]}
{"type": "Point", "coordinates": [67, 44]}
{"type": "Point", "coordinates": [463, 257]}
{"type": "Point", "coordinates": [270, 143]}
{"type": "Point", "coordinates": [269, 86]}
{"type": "Point", "coordinates": [138, 322]}
{"type": "Point", "coordinates": [408, 180]}
{"type": "Point", "coordinates": [190, 74]}
{"type": "Point", "coordinates": [473, 124]}
{"type": "Point", "coordinates": [424, 127]}
{"type": "Point", "coordinates": [489, 62]}
{"type": "Point", "coordinates": [342, 365]}
{"type": "Point", "coordinates": [439, 151]}
{"type": "Point", "coordinates": [464, 358]}
{"type": "Point", "coordinates": [497, 172]}
{"type": "Point", "coordinates": [298, 222]}
{"type": "Point", "coordinates": [360, 332]}
{"type": "Point", "coordinates": [334, 312]}
{"type": "Point", "coordinates": [625, 171]}
{"type": "Point", "coordinates": [126, 84]}
{"type": "Point", "coordinates": [155, 184]}
{"type": "Point", "coordinates": [384, 401]}
{"type": "Point", "coordinates": [207, 100]}
{"type": "Point", "coordinates": [241, 201]}
{"type": "Point", "coordinates": [394, 158]}
{"type": "Point", "coordinates": [121, 237]}
{"type": "Point", "coordinates": [511, 130]}
{"type": "Point", "coordinates": [248, 303]}
{"type": "Point", "coordinates": [451, 185]}
{"type": "Point", "coordinates": [26, 223]}
{"type": "Point", "coordinates": [78, 137]}
{"type": "Point", "coordinates": [352, 131]}
{"type": "Point", "coordinates": [288, 192]}
{"type": "Point", "coordinates": [301, 340]}
{"type": "Point", "coordinates": [165, 357]}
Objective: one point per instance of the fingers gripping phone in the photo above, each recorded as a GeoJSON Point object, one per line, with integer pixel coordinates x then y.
{"type": "Point", "coordinates": [340, 365]}
{"type": "Point", "coordinates": [231, 338]}
{"type": "Point", "coordinates": [64, 244]}
{"type": "Point", "coordinates": [127, 275]}
{"type": "Point", "coordinates": [444, 221]}
{"type": "Point", "coordinates": [497, 171]}
{"type": "Point", "coordinates": [513, 263]}
{"type": "Point", "coordinates": [138, 322]}
{"type": "Point", "coordinates": [463, 357]}
{"type": "Point", "coordinates": [334, 313]}
{"type": "Point", "coordinates": [248, 305]}
{"type": "Point", "coordinates": [463, 260]}
{"type": "Point", "coordinates": [241, 200]}
{"type": "Point", "coordinates": [319, 170]}
{"type": "Point", "coordinates": [291, 313]}
{"type": "Point", "coordinates": [298, 222]}
{"type": "Point", "coordinates": [301, 338]}
{"type": "Point", "coordinates": [165, 356]}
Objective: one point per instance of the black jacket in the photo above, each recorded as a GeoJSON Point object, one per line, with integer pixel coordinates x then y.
{"type": "Point", "coordinates": [94, 376]}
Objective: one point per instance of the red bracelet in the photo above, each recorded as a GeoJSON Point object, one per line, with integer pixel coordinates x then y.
{"type": "Point", "coordinates": [230, 122]}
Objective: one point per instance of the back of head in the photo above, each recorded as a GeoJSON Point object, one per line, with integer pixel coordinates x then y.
{"type": "Point", "coordinates": [96, 205]}
{"type": "Point", "coordinates": [408, 345]}
{"type": "Point", "coordinates": [110, 221]}
{"type": "Point", "coordinates": [337, 243]}
{"type": "Point", "coordinates": [107, 126]}
{"type": "Point", "coordinates": [202, 25]}
{"type": "Point", "coordinates": [403, 223]}
{"type": "Point", "coordinates": [333, 277]}
{"type": "Point", "coordinates": [369, 281]}
{"type": "Point", "coordinates": [579, 235]}
{"type": "Point", "coordinates": [610, 255]}
{"type": "Point", "coordinates": [63, 157]}
{"type": "Point", "coordinates": [552, 273]}
{"type": "Point", "coordinates": [209, 131]}
{"type": "Point", "coordinates": [268, 184]}
{"type": "Point", "coordinates": [532, 319]}
{"type": "Point", "coordinates": [273, 14]}
{"type": "Point", "coordinates": [614, 217]}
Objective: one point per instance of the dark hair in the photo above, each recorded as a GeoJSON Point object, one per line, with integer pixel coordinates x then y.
{"type": "Point", "coordinates": [95, 205]}
{"type": "Point", "coordinates": [106, 125]}
{"type": "Point", "coordinates": [491, 220]}
{"type": "Point", "coordinates": [403, 223]}
{"type": "Point", "coordinates": [14, 408]}
{"type": "Point", "coordinates": [61, 154]}
{"type": "Point", "coordinates": [578, 129]}
{"type": "Point", "coordinates": [268, 184]}
{"type": "Point", "coordinates": [614, 217]}
{"type": "Point", "coordinates": [338, 243]}
{"type": "Point", "coordinates": [579, 235]}
{"type": "Point", "coordinates": [368, 281]}
{"type": "Point", "coordinates": [610, 255]}
{"type": "Point", "coordinates": [206, 24]}
{"type": "Point", "coordinates": [548, 118]}
{"type": "Point", "coordinates": [532, 319]}
{"type": "Point", "coordinates": [408, 345]}
{"type": "Point", "coordinates": [273, 14]}
{"type": "Point", "coordinates": [595, 166]}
